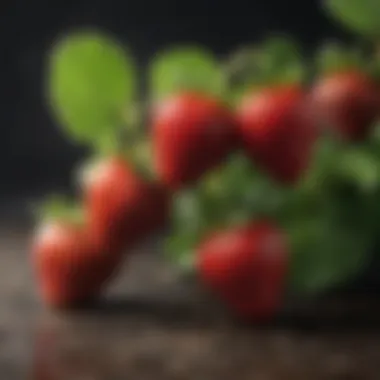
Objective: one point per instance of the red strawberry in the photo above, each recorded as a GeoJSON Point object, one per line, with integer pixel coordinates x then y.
{"type": "Point", "coordinates": [123, 208]}
{"type": "Point", "coordinates": [192, 134]}
{"type": "Point", "coordinates": [277, 131]}
{"type": "Point", "coordinates": [246, 268]}
{"type": "Point", "coordinates": [346, 102]}
{"type": "Point", "coordinates": [70, 267]}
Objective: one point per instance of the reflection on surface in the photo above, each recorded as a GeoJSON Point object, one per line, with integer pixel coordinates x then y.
{"type": "Point", "coordinates": [153, 340]}
{"type": "Point", "coordinates": [61, 352]}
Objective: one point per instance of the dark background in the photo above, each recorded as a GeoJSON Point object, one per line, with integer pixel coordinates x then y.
{"type": "Point", "coordinates": [160, 335]}
{"type": "Point", "coordinates": [33, 151]}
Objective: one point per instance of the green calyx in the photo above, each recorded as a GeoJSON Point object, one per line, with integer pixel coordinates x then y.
{"type": "Point", "coordinates": [91, 78]}
{"type": "Point", "coordinates": [58, 208]}
{"type": "Point", "coordinates": [335, 57]}
{"type": "Point", "coordinates": [186, 68]}
{"type": "Point", "coordinates": [276, 61]}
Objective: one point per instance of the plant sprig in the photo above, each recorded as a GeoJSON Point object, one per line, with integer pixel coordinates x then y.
{"type": "Point", "coordinates": [91, 82]}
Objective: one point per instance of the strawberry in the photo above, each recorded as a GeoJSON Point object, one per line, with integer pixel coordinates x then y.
{"type": "Point", "coordinates": [277, 131]}
{"type": "Point", "coordinates": [70, 266]}
{"type": "Point", "coordinates": [346, 102]}
{"type": "Point", "coordinates": [122, 207]}
{"type": "Point", "coordinates": [246, 267]}
{"type": "Point", "coordinates": [192, 134]}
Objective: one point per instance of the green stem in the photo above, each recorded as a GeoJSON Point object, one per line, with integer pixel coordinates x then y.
{"type": "Point", "coordinates": [137, 148]}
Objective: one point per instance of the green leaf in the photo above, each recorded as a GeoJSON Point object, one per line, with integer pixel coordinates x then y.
{"type": "Point", "coordinates": [373, 67]}
{"type": "Point", "coordinates": [91, 80]}
{"type": "Point", "coordinates": [327, 251]}
{"type": "Point", "coordinates": [360, 167]}
{"type": "Point", "coordinates": [330, 219]}
{"type": "Point", "coordinates": [360, 16]}
{"type": "Point", "coordinates": [235, 193]}
{"type": "Point", "coordinates": [374, 140]}
{"type": "Point", "coordinates": [279, 50]}
{"type": "Point", "coordinates": [322, 168]}
{"type": "Point", "coordinates": [337, 163]}
{"type": "Point", "coordinates": [185, 69]}
{"type": "Point", "coordinates": [225, 190]}
{"type": "Point", "coordinates": [326, 258]}
{"type": "Point", "coordinates": [239, 192]}
{"type": "Point", "coordinates": [229, 195]}
{"type": "Point", "coordinates": [282, 61]}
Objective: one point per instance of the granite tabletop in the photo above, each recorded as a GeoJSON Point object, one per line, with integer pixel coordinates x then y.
{"type": "Point", "coordinates": [151, 326]}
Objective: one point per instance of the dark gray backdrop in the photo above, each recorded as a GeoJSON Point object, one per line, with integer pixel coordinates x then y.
{"type": "Point", "coordinates": [33, 152]}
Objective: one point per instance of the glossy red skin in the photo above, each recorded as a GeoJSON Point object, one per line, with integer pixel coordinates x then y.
{"type": "Point", "coordinates": [278, 132]}
{"type": "Point", "coordinates": [246, 268]}
{"type": "Point", "coordinates": [69, 266]}
{"type": "Point", "coordinates": [123, 208]}
{"type": "Point", "coordinates": [192, 134]}
{"type": "Point", "coordinates": [348, 103]}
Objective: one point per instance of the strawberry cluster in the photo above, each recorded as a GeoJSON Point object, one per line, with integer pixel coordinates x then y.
{"type": "Point", "coordinates": [267, 167]}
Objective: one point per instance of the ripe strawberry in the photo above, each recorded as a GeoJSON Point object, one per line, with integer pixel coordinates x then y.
{"type": "Point", "coordinates": [346, 102]}
{"type": "Point", "coordinates": [69, 265]}
{"type": "Point", "coordinates": [192, 134]}
{"type": "Point", "coordinates": [122, 207]}
{"type": "Point", "coordinates": [246, 268]}
{"type": "Point", "coordinates": [277, 131]}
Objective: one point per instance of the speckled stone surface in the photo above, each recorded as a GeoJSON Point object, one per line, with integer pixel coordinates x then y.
{"type": "Point", "coordinates": [152, 327]}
